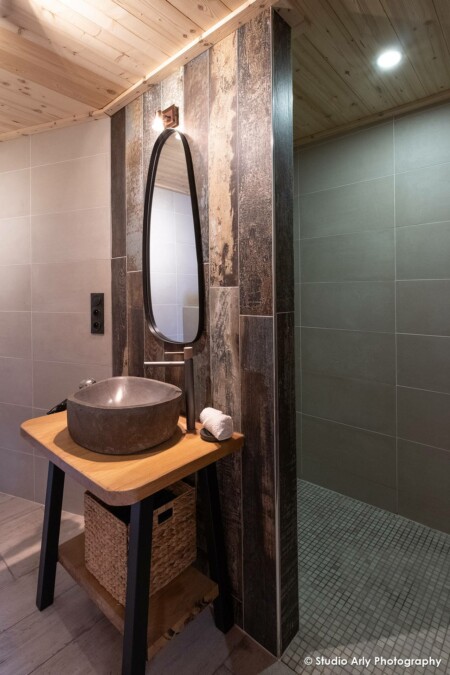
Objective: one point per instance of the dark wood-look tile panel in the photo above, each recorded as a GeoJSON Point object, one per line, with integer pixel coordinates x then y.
{"type": "Point", "coordinates": [174, 374]}
{"type": "Point", "coordinates": [238, 610]}
{"type": "Point", "coordinates": [118, 186]}
{"type": "Point", "coordinates": [285, 331]}
{"type": "Point", "coordinates": [153, 351]}
{"type": "Point", "coordinates": [135, 320]}
{"type": "Point", "coordinates": [151, 103]}
{"type": "Point", "coordinates": [286, 430]}
{"type": "Point", "coordinates": [283, 164]}
{"type": "Point", "coordinates": [229, 474]}
{"type": "Point", "coordinates": [225, 368]}
{"type": "Point", "coordinates": [196, 126]}
{"type": "Point", "coordinates": [119, 315]}
{"type": "Point", "coordinates": [258, 479]}
{"type": "Point", "coordinates": [202, 356]}
{"type": "Point", "coordinates": [134, 184]}
{"type": "Point", "coordinates": [222, 163]}
{"type": "Point", "coordinates": [172, 93]}
{"type": "Point", "coordinates": [226, 396]}
{"type": "Point", "coordinates": [255, 165]}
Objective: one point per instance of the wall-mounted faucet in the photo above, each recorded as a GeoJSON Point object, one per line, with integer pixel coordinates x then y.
{"type": "Point", "coordinates": [86, 383]}
{"type": "Point", "coordinates": [189, 397]}
{"type": "Point", "coordinates": [60, 407]}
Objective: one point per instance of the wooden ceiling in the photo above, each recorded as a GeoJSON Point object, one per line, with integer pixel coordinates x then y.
{"type": "Point", "coordinates": [63, 61]}
{"type": "Point", "coordinates": [337, 85]}
{"type": "Point", "coordinates": [68, 60]}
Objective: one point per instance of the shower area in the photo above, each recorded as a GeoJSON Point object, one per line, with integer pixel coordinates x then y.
{"type": "Point", "coordinates": [372, 316]}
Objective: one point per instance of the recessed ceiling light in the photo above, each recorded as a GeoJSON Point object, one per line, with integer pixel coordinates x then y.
{"type": "Point", "coordinates": [389, 59]}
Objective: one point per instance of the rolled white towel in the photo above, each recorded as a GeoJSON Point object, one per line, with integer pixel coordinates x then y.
{"type": "Point", "coordinates": [218, 424]}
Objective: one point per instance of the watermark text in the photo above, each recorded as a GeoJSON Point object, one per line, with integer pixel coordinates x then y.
{"type": "Point", "coordinates": [365, 662]}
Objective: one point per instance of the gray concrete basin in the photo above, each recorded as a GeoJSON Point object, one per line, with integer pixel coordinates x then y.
{"type": "Point", "coordinates": [123, 415]}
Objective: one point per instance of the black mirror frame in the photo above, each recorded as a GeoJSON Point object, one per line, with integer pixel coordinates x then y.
{"type": "Point", "coordinates": [151, 177]}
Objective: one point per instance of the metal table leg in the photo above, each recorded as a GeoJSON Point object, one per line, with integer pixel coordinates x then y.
{"type": "Point", "coordinates": [50, 537]}
{"type": "Point", "coordinates": [223, 606]}
{"type": "Point", "coordinates": [138, 588]}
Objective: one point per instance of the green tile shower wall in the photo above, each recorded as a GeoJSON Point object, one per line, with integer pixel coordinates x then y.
{"type": "Point", "coordinates": [228, 99]}
{"type": "Point", "coordinates": [372, 257]}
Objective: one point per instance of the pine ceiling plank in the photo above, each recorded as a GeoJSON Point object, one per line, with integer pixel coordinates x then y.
{"type": "Point", "coordinates": [25, 117]}
{"type": "Point", "coordinates": [55, 124]}
{"type": "Point", "coordinates": [21, 102]}
{"type": "Point", "coordinates": [40, 65]}
{"type": "Point", "coordinates": [18, 120]}
{"type": "Point", "coordinates": [169, 20]}
{"type": "Point", "coordinates": [309, 118]}
{"type": "Point", "coordinates": [232, 4]}
{"type": "Point", "coordinates": [292, 13]}
{"type": "Point", "coordinates": [66, 40]}
{"type": "Point", "coordinates": [419, 31]}
{"type": "Point", "coordinates": [317, 117]}
{"type": "Point", "coordinates": [443, 13]}
{"type": "Point", "coordinates": [322, 84]}
{"type": "Point", "coordinates": [16, 89]}
{"type": "Point", "coordinates": [124, 53]}
{"type": "Point", "coordinates": [8, 126]}
{"type": "Point", "coordinates": [372, 31]}
{"type": "Point", "coordinates": [205, 13]}
{"type": "Point", "coordinates": [68, 22]}
{"type": "Point", "coordinates": [132, 33]}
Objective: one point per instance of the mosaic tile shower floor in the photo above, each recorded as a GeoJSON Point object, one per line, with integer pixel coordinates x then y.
{"type": "Point", "coordinates": [372, 584]}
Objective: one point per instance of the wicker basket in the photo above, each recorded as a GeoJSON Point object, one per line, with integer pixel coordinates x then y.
{"type": "Point", "coordinates": [173, 543]}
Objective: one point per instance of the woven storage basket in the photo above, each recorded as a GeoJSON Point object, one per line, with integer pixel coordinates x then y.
{"type": "Point", "coordinates": [174, 544]}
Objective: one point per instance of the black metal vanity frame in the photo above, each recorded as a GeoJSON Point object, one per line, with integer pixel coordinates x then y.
{"type": "Point", "coordinates": [151, 177]}
{"type": "Point", "coordinates": [139, 562]}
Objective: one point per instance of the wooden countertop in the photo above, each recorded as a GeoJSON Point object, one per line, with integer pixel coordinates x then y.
{"type": "Point", "coordinates": [125, 479]}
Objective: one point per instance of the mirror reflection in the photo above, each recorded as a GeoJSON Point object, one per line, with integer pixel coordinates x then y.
{"type": "Point", "coordinates": [174, 284]}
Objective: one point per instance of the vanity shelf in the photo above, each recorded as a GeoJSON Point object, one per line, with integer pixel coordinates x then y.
{"type": "Point", "coordinates": [133, 480]}
{"type": "Point", "coordinates": [171, 608]}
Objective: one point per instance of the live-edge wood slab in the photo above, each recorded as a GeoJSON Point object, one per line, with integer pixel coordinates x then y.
{"type": "Point", "coordinates": [170, 608]}
{"type": "Point", "coordinates": [125, 479]}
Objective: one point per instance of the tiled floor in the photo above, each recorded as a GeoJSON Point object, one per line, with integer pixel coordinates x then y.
{"type": "Point", "coordinates": [372, 584]}
{"type": "Point", "coordinates": [73, 638]}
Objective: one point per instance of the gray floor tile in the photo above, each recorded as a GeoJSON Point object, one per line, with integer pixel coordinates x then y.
{"type": "Point", "coordinates": [373, 585]}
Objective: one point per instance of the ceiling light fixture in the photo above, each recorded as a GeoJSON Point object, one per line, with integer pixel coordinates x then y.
{"type": "Point", "coordinates": [389, 59]}
{"type": "Point", "coordinates": [166, 119]}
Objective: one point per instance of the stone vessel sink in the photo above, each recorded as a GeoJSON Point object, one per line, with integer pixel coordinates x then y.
{"type": "Point", "coordinates": [123, 415]}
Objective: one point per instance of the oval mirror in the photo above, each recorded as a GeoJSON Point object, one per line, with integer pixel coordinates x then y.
{"type": "Point", "coordinates": [172, 259]}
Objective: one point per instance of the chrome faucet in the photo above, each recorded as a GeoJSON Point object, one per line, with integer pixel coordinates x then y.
{"type": "Point", "coordinates": [189, 396]}
{"type": "Point", "coordinates": [60, 407]}
{"type": "Point", "coordinates": [86, 383]}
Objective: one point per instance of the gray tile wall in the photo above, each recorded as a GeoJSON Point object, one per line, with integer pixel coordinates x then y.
{"type": "Point", "coordinates": [372, 251]}
{"type": "Point", "coordinates": [55, 234]}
